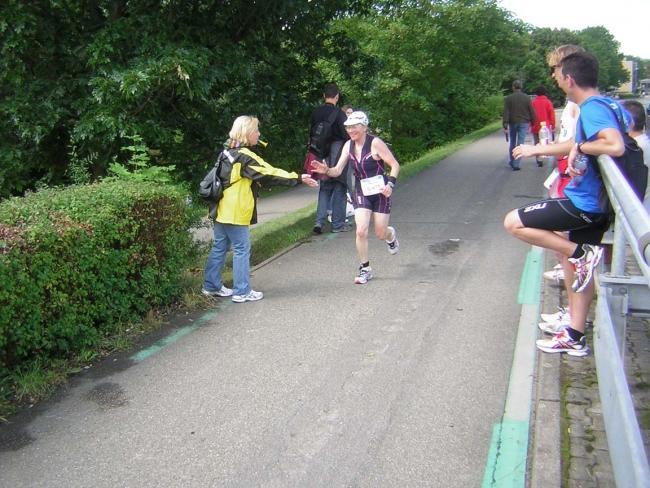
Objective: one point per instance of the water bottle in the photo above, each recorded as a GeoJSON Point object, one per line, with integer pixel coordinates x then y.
{"type": "Point", "coordinates": [544, 134]}
{"type": "Point", "coordinates": [580, 165]}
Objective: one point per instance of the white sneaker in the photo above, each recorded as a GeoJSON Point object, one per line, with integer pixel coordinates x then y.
{"type": "Point", "coordinates": [585, 266]}
{"type": "Point", "coordinates": [555, 274]}
{"type": "Point", "coordinates": [562, 342]}
{"type": "Point", "coordinates": [251, 296]}
{"type": "Point", "coordinates": [561, 315]}
{"type": "Point", "coordinates": [553, 327]}
{"type": "Point", "coordinates": [221, 292]}
{"type": "Point", "coordinates": [363, 276]}
{"type": "Point", "coordinates": [393, 246]}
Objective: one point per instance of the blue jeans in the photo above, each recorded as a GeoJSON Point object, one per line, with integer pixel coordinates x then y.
{"type": "Point", "coordinates": [517, 134]}
{"type": "Point", "coordinates": [331, 191]}
{"type": "Point", "coordinates": [226, 235]}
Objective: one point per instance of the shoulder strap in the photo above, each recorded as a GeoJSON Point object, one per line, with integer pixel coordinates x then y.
{"type": "Point", "coordinates": [219, 166]}
{"type": "Point", "coordinates": [368, 144]}
{"type": "Point", "coordinates": [229, 156]}
{"type": "Point", "coordinates": [618, 113]}
{"type": "Point", "coordinates": [332, 117]}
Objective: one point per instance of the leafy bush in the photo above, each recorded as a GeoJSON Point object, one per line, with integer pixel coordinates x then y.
{"type": "Point", "coordinates": [491, 109]}
{"type": "Point", "coordinates": [77, 262]}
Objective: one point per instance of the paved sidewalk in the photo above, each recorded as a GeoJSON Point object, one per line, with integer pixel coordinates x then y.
{"type": "Point", "coordinates": [569, 446]}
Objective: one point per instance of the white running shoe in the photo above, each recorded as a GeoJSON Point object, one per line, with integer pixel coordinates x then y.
{"type": "Point", "coordinates": [555, 274]}
{"type": "Point", "coordinates": [553, 327]}
{"type": "Point", "coordinates": [585, 266]}
{"type": "Point", "coordinates": [364, 275]}
{"type": "Point", "coordinates": [562, 342]}
{"type": "Point", "coordinates": [561, 315]}
{"type": "Point", "coordinates": [251, 296]}
{"type": "Point", "coordinates": [224, 291]}
{"type": "Point", "coordinates": [393, 246]}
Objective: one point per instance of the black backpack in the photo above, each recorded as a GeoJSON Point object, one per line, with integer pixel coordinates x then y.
{"type": "Point", "coordinates": [630, 162]}
{"type": "Point", "coordinates": [320, 136]}
{"type": "Point", "coordinates": [212, 186]}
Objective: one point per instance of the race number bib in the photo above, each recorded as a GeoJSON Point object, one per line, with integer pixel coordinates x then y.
{"type": "Point", "coordinates": [372, 186]}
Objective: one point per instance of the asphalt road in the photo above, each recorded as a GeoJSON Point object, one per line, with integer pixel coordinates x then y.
{"type": "Point", "coordinates": [323, 383]}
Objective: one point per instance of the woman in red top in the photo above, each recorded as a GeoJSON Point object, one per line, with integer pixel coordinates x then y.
{"type": "Point", "coordinates": [544, 112]}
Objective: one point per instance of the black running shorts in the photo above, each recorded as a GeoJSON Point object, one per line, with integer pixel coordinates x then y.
{"type": "Point", "coordinates": [377, 203]}
{"type": "Point", "coordinates": [559, 214]}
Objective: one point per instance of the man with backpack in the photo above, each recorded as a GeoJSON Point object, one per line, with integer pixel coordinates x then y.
{"type": "Point", "coordinates": [326, 138]}
{"type": "Point", "coordinates": [580, 212]}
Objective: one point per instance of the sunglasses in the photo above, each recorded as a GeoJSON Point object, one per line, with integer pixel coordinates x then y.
{"type": "Point", "coordinates": [552, 69]}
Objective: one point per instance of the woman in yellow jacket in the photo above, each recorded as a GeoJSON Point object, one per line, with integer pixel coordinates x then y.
{"type": "Point", "coordinates": [237, 210]}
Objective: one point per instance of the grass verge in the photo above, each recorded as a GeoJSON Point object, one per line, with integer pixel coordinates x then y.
{"type": "Point", "coordinates": [37, 380]}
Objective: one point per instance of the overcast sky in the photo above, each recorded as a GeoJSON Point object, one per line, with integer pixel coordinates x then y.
{"type": "Point", "coordinates": [627, 20]}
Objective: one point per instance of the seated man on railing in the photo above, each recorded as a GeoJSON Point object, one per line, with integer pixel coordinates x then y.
{"type": "Point", "coordinates": [580, 212]}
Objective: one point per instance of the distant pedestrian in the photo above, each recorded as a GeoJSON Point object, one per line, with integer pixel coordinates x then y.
{"type": "Point", "coordinates": [369, 156]}
{"type": "Point", "coordinates": [518, 114]}
{"type": "Point", "coordinates": [237, 210]}
{"type": "Point", "coordinates": [544, 112]}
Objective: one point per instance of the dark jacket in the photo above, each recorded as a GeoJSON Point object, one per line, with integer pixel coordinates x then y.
{"type": "Point", "coordinates": [517, 109]}
{"type": "Point", "coordinates": [339, 135]}
{"type": "Point", "coordinates": [338, 129]}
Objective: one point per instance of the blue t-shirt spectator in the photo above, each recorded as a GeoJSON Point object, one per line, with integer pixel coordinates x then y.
{"type": "Point", "coordinates": [584, 191]}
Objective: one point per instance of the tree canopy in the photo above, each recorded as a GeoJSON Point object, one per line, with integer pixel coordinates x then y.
{"type": "Point", "coordinates": [80, 80]}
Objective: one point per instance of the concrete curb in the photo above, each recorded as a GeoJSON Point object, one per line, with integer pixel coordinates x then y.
{"type": "Point", "coordinates": [545, 448]}
{"type": "Point", "coordinates": [545, 456]}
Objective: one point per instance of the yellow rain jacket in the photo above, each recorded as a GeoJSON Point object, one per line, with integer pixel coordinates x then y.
{"type": "Point", "coordinates": [238, 206]}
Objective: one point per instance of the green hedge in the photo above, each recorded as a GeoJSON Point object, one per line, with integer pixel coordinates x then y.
{"type": "Point", "coordinates": [76, 262]}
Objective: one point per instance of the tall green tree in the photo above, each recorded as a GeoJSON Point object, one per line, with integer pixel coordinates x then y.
{"type": "Point", "coordinates": [602, 44]}
{"type": "Point", "coordinates": [423, 72]}
{"type": "Point", "coordinates": [597, 40]}
{"type": "Point", "coordinates": [534, 70]}
{"type": "Point", "coordinates": [80, 78]}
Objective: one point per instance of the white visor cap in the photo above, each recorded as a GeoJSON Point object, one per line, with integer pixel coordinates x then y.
{"type": "Point", "coordinates": [357, 118]}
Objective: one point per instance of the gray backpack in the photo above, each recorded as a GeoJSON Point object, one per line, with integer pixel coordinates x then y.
{"type": "Point", "coordinates": [212, 186]}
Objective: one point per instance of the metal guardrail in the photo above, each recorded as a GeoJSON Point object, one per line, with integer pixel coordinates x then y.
{"type": "Point", "coordinates": [620, 295]}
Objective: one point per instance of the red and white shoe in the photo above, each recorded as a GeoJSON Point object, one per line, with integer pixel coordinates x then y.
{"type": "Point", "coordinates": [562, 342]}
